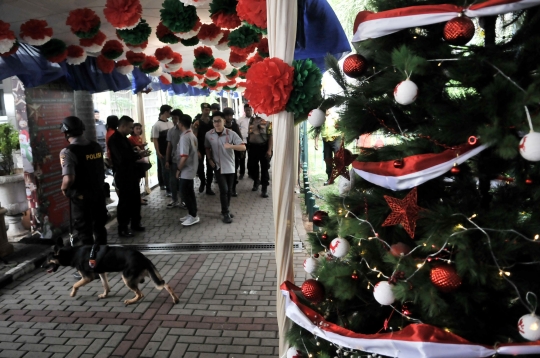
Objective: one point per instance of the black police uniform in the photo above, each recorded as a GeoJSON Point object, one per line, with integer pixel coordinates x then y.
{"type": "Point", "coordinates": [84, 159]}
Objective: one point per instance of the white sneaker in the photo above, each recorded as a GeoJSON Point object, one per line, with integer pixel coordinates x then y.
{"type": "Point", "coordinates": [173, 204]}
{"type": "Point", "coordinates": [185, 218]}
{"type": "Point", "coordinates": [191, 220]}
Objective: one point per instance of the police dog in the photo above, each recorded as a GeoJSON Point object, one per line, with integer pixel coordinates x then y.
{"type": "Point", "coordinates": [133, 265]}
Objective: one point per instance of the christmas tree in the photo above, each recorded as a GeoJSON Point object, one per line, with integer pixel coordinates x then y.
{"type": "Point", "coordinates": [434, 250]}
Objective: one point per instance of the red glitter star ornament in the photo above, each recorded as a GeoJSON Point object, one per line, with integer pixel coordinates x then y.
{"type": "Point", "coordinates": [404, 212]}
{"type": "Point", "coordinates": [342, 159]}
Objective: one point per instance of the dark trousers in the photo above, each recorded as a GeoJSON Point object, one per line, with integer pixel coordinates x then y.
{"type": "Point", "coordinates": [225, 182]}
{"type": "Point", "coordinates": [165, 174]}
{"type": "Point", "coordinates": [159, 173]}
{"type": "Point", "coordinates": [89, 215]}
{"type": "Point", "coordinates": [237, 159]}
{"type": "Point", "coordinates": [209, 171]}
{"type": "Point", "coordinates": [329, 150]}
{"type": "Point", "coordinates": [187, 191]}
{"type": "Point", "coordinates": [242, 165]}
{"type": "Point", "coordinates": [257, 155]}
{"type": "Point", "coordinates": [129, 202]}
{"type": "Point", "coordinates": [173, 182]}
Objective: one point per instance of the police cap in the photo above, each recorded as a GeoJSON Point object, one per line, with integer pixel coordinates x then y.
{"type": "Point", "coordinates": [73, 126]}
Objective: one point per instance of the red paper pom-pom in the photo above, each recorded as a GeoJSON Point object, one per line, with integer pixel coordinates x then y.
{"type": "Point", "coordinates": [82, 20]}
{"type": "Point", "coordinates": [75, 51]}
{"type": "Point", "coordinates": [104, 64]}
{"type": "Point", "coordinates": [176, 58]}
{"type": "Point", "coordinates": [5, 32]}
{"type": "Point", "coordinates": [164, 53]}
{"type": "Point", "coordinates": [95, 44]}
{"type": "Point", "coordinates": [226, 21]}
{"type": "Point", "coordinates": [219, 64]}
{"type": "Point", "coordinates": [445, 278]}
{"type": "Point", "coordinates": [262, 48]}
{"type": "Point", "coordinates": [150, 64]}
{"type": "Point", "coordinates": [123, 63]}
{"type": "Point", "coordinates": [244, 51]}
{"type": "Point", "coordinates": [166, 79]}
{"type": "Point", "coordinates": [135, 58]}
{"type": "Point", "coordinates": [237, 60]}
{"type": "Point", "coordinates": [212, 75]}
{"type": "Point", "coordinates": [459, 31]}
{"type": "Point", "coordinates": [123, 14]}
{"type": "Point", "coordinates": [313, 290]}
{"type": "Point", "coordinates": [222, 45]}
{"type": "Point", "coordinates": [202, 50]}
{"type": "Point", "coordinates": [35, 30]}
{"type": "Point", "coordinates": [208, 31]}
{"type": "Point", "coordinates": [254, 59]}
{"type": "Point", "coordinates": [269, 85]}
{"type": "Point", "coordinates": [253, 12]}
{"type": "Point", "coordinates": [112, 49]}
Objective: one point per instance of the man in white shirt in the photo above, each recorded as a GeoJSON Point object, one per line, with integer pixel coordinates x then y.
{"type": "Point", "coordinates": [159, 138]}
{"type": "Point", "coordinates": [243, 124]}
{"type": "Point", "coordinates": [188, 163]}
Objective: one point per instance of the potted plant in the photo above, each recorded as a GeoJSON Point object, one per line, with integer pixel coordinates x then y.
{"type": "Point", "coordinates": [12, 188]}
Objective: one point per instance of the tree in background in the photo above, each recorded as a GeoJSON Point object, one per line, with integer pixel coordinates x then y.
{"type": "Point", "coordinates": [437, 238]}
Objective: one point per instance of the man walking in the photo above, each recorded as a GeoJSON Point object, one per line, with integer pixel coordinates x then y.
{"type": "Point", "coordinates": [123, 158]}
{"type": "Point", "coordinates": [220, 145]}
{"type": "Point", "coordinates": [260, 152]}
{"type": "Point", "coordinates": [331, 138]}
{"type": "Point", "coordinates": [159, 138]}
{"type": "Point", "coordinates": [243, 124]}
{"type": "Point", "coordinates": [187, 168]}
{"type": "Point", "coordinates": [173, 136]}
{"type": "Point", "coordinates": [200, 128]}
{"type": "Point", "coordinates": [230, 123]}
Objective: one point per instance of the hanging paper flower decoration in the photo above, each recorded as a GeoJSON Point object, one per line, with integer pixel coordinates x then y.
{"type": "Point", "coordinates": [203, 57]}
{"type": "Point", "coordinates": [262, 48]}
{"type": "Point", "coordinates": [95, 44]}
{"type": "Point", "coordinates": [211, 83]}
{"type": "Point", "coordinates": [223, 45]}
{"type": "Point", "coordinates": [175, 64]}
{"type": "Point", "coordinates": [54, 50]}
{"type": "Point", "coordinates": [191, 33]}
{"type": "Point", "coordinates": [243, 40]}
{"type": "Point", "coordinates": [124, 67]}
{"type": "Point", "coordinates": [178, 17]}
{"type": "Point", "coordinates": [219, 64]}
{"type": "Point", "coordinates": [188, 76]}
{"type": "Point", "coordinates": [112, 49]}
{"type": "Point", "coordinates": [190, 42]}
{"type": "Point", "coordinates": [241, 87]}
{"type": "Point", "coordinates": [137, 35]}
{"type": "Point", "coordinates": [223, 13]}
{"type": "Point", "coordinates": [209, 34]}
{"type": "Point", "coordinates": [104, 64]}
{"type": "Point", "coordinates": [242, 71]}
{"type": "Point", "coordinates": [269, 85]}
{"type": "Point", "coordinates": [123, 14]}
{"type": "Point", "coordinates": [212, 75]}
{"type": "Point", "coordinates": [306, 94]}
{"type": "Point", "coordinates": [232, 75]}
{"type": "Point", "coordinates": [135, 58]}
{"type": "Point", "coordinates": [138, 48]}
{"type": "Point", "coordinates": [8, 41]}
{"type": "Point", "coordinates": [164, 54]}
{"type": "Point", "coordinates": [75, 55]}
{"type": "Point", "coordinates": [237, 60]}
{"type": "Point", "coordinates": [165, 35]}
{"type": "Point", "coordinates": [35, 32]}
{"type": "Point", "coordinates": [253, 12]}
{"type": "Point", "coordinates": [166, 79]}
{"type": "Point", "coordinates": [201, 70]}
{"type": "Point", "coordinates": [253, 60]}
{"type": "Point", "coordinates": [150, 65]}
{"type": "Point", "coordinates": [196, 3]}
{"type": "Point", "coordinates": [84, 23]}
{"type": "Point", "coordinates": [182, 76]}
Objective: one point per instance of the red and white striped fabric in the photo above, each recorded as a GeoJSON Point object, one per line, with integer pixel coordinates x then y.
{"type": "Point", "coordinates": [416, 169]}
{"type": "Point", "coordinates": [369, 25]}
{"type": "Point", "coordinates": [415, 340]}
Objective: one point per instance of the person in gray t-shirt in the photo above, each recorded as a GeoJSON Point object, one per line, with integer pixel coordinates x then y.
{"type": "Point", "coordinates": [171, 158]}
{"type": "Point", "coordinates": [220, 145]}
{"type": "Point", "coordinates": [188, 163]}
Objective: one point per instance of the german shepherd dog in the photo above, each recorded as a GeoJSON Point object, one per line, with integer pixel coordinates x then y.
{"type": "Point", "coordinates": [133, 265]}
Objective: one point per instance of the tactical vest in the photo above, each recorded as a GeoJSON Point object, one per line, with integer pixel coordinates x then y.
{"type": "Point", "coordinates": [89, 171]}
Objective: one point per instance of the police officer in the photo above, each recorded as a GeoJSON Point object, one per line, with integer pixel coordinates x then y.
{"type": "Point", "coordinates": [82, 182]}
{"type": "Point", "coordinates": [260, 152]}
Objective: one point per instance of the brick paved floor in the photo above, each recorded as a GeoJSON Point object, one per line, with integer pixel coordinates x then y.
{"type": "Point", "coordinates": [227, 300]}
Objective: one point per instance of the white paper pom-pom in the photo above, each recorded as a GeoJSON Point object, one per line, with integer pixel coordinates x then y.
{"type": "Point", "coordinates": [529, 327]}
{"type": "Point", "coordinates": [157, 72]}
{"type": "Point", "coordinates": [316, 117]}
{"type": "Point", "coordinates": [187, 35]}
{"type": "Point", "coordinates": [222, 47]}
{"type": "Point", "coordinates": [339, 247]}
{"type": "Point", "coordinates": [310, 265]}
{"type": "Point", "coordinates": [529, 147]}
{"type": "Point", "coordinates": [406, 92]}
{"type": "Point", "coordinates": [125, 69]}
{"type": "Point", "coordinates": [6, 45]}
{"type": "Point", "coordinates": [294, 353]}
{"type": "Point", "coordinates": [196, 3]}
{"type": "Point", "coordinates": [76, 60]}
{"type": "Point", "coordinates": [93, 48]}
{"type": "Point", "coordinates": [383, 293]}
{"type": "Point", "coordinates": [35, 42]}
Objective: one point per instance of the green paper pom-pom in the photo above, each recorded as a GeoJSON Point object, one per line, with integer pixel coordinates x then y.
{"type": "Point", "coordinates": [243, 37]}
{"type": "Point", "coordinates": [201, 71]}
{"type": "Point", "coordinates": [211, 83]}
{"type": "Point", "coordinates": [203, 61]}
{"type": "Point", "coordinates": [177, 80]}
{"type": "Point", "coordinates": [178, 17]}
{"type": "Point", "coordinates": [306, 93]}
{"type": "Point", "coordinates": [88, 35]}
{"type": "Point", "coordinates": [170, 39]}
{"type": "Point", "coordinates": [244, 68]}
{"type": "Point", "coordinates": [53, 48]}
{"type": "Point", "coordinates": [255, 28]}
{"type": "Point", "coordinates": [136, 35]}
{"type": "Point", "coordinates": [190, 42]}
{"type": "Point", "coordinates": [227, 6]}
{"type": "Point", "coordinates": [233, 74]}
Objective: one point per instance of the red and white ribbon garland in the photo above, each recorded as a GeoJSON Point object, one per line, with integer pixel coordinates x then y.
{"type": "Point", "coordinates": [415, 340]}
{"type": "Point", "coordinates": [370, 25]}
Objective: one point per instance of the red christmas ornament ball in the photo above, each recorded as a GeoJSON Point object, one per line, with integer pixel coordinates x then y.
{"type": "Point", "coordinates": [316, 256]}
{"type": "Point", "coordinates": [354, 276]}
{"type": "Point", "coordinates": [455, 170]}
{"type": "Point", "coordinates": [445, 278]}
{"type": "Point", "coordinates": [399, 249]}
{"type": "Point", "coordinates": [398, 164]}
{"type": "Point", "coordinates": [355, 65]}
{"type": "Point", "coordinates": [324, 236]}
{"type": "Point", "coordinates": [313, 290]}
{"type": "Point", "coordinates": [319, 218]}
{"type": "Point", "coordinates": [528, 181]}
{"type": "Point", "coordinates": [459, 31]}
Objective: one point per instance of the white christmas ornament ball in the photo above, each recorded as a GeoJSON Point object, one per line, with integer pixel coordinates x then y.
{"type": "Point", "coordinates": [383, 293]}
{"type": "Point", "coordinates": [406, 92]}
{"type": "Point", "coordinates": [529, 147]}
{"type": "Point", "coordinates": [294, 353]}
{"type": "Point", "coordinates": [339, 247]}
{"type": "Point", "coordinates": [310, 265]}
{"type": "Point", "coordinates": [316, 117]}
{"type": "Point", "coordinates": [529, 327]}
